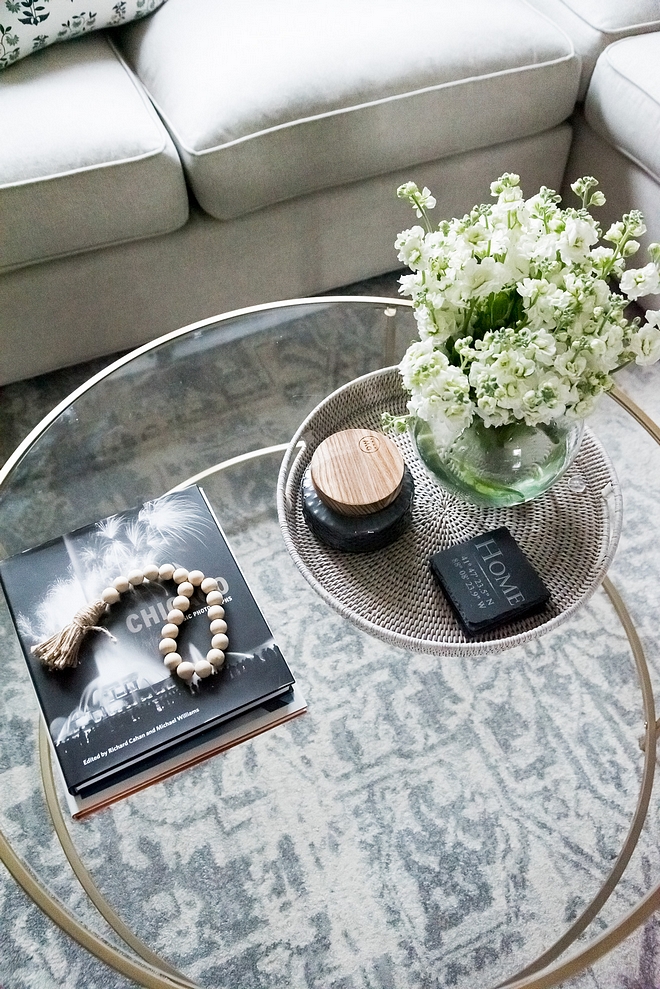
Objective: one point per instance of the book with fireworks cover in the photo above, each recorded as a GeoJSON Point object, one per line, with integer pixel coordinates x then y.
{"type": "Point", "coordinates": [119, 720]}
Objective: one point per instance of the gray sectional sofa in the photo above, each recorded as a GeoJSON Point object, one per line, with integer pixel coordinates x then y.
{"type": "Point", "coordinates": [214, 155]}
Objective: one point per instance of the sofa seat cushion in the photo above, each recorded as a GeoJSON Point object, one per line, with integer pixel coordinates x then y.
{"type": "Point", "coordinates": [269, 101]}
{"type": "Point", "coordinates": [623, 102]}
{"type": "Point", "coordinates": [595, 24]}
{"type": "Point", "coordinates": [84, 159]}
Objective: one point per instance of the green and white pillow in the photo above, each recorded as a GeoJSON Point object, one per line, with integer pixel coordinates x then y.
{"type": "Point", "coordinates": [28, 25]}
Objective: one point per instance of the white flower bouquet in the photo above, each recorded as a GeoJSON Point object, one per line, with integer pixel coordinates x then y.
{"type": "Point", "coordinates": [518, 311]}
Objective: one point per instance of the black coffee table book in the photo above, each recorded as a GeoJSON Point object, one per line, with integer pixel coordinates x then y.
{"type": "Point", "coordinates": [119, 710]}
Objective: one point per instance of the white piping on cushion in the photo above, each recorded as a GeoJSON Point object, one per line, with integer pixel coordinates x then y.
{"type": "Point", "coordinates": [359, 106]}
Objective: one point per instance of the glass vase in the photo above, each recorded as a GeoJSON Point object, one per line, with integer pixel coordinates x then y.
{"type": "Point", "coordinates": [500, 465]}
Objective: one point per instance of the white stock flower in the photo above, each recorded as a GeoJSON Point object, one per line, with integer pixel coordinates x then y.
{"type": "Point", "coordinates": [410, 245]}
{"type": "Point", "coordinates": [426, 200]}
{"type": "Point", "coordinates": [578, 236]}
{"type": "Point", "coordinates": [531, 288]}
{"type": "Point", "coordinates": [583, 408]}
{"type": "Point", "coordinates": [602, 255]}
{"type": "Point", "coordinates": [615, 232]}
{"type": "Point", "coordinates": [518, 293]}
{"type": "Point", "coordinates": [444, 322]}
{"type": "Point", "coordinates": [511, 195]}
{"type": "Point", "coordinates": [484, 278]}
{"type": "Point", "coordinates": [645, 344]}
{"type": "Point", "coordinates": [571, 365]}
{"type": "Point", "coordinates": [440, 392]}
{"type": "Point", "coordinates": [424, 319]}
{"type": "Point", "coordinates": [445, 429]}
{"type": "Point", "coordinates": [612, 334]}
{"type": "Point", "coordinates": [418, 363]}
{"type": "Point", "coordinates": [637, 282]}
{"type": "Point", "coordinates": [547, 401]}
{"type": "Point", "coordinates": [545, 247]}
{"type": "Point", "coordinates": [410, 284]}
{"type": "Point", "coordinates": [600, 291]}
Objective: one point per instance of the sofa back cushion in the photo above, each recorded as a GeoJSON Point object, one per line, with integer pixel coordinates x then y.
{"type": "Point", "coordinates": [623, 102]}
{"type": "Point", "coordinates": [594, 24]}
{"type": "Point", "coordinates": [267, 101]}
{"type": "Point", "coordinates": [29, 25]}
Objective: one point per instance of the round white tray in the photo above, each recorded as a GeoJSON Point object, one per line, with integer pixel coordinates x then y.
{"type": "Point", "coordinates": [569, 536]}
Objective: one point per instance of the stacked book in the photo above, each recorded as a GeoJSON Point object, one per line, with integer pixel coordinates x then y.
{"type": "Point", "coordinates": [119, 720]}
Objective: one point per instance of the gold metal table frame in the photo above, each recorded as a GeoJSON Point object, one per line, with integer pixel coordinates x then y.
{"type": "Point", "coordinates": [147, 968]}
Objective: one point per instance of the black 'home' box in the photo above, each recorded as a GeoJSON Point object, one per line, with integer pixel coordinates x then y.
{"type": "Point", "coordinates": [489, 581]}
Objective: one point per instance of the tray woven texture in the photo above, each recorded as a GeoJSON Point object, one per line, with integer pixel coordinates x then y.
{"type": "Point", "coordinates": [569, 537]}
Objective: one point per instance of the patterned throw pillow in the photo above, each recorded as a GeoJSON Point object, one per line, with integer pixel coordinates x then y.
{"type": "Point", "coordinates": [28, 25]}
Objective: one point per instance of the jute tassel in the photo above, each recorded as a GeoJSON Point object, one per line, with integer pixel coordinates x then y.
{"type": "Point", "coordinates": [62, 649]}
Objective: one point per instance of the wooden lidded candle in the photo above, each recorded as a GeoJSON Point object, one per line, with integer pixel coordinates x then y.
{"type": "Point", "coordinates": [357, 492]}
{"type": "Point", "coordinates": [357, 471]}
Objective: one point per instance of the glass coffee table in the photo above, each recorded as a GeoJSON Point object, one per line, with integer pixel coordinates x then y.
{"type": "Point", "coordinates": [432, 820]}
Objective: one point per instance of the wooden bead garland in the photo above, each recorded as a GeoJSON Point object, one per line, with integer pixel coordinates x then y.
{"type": "Point", "coordinates": [61, 650]}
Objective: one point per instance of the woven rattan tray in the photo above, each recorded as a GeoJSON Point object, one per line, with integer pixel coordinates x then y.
{"type": "Point", "coordinates": [570, 535]}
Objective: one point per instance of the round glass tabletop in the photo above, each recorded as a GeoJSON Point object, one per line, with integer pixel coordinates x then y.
{"type": "Point", "coordinates": [431, 820]}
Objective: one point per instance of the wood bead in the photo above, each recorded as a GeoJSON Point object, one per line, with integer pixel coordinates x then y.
{"type": "Point", "coordinates": [186, 583]}
{"type": "Point", "coordinates": [185, 670]}
{"type": "Point", "coordinates": [357, 471]}
{"type": "Point", "coordinates": [216, 657]}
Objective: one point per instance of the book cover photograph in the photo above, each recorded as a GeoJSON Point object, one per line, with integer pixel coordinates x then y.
{"type": "Point", "coordinates": [121, 705]}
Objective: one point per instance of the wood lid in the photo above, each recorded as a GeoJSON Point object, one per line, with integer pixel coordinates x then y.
{"type": "Point", "coordinates": [357, 471]}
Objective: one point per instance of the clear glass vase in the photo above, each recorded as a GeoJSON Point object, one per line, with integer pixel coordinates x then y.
{"type": "Point", "coordinates": [500, 465]}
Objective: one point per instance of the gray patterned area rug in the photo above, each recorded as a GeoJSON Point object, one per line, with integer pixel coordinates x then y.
{"type": "Point", "coordinates": [429, 823]}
